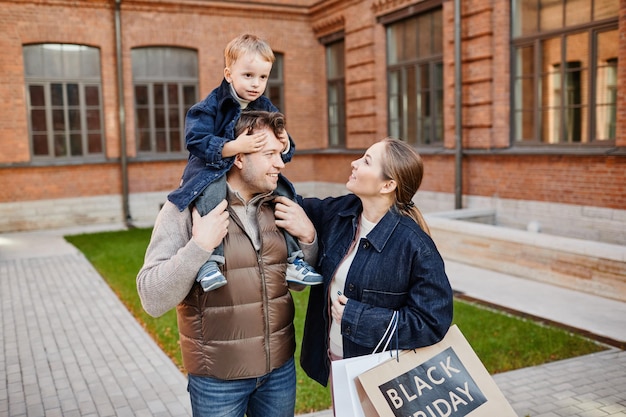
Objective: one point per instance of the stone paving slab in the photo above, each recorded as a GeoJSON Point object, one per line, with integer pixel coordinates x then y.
{"type": "Point", "coordinates": [586, 386]}
{"type": "Point", "coordinates": [69, 347]}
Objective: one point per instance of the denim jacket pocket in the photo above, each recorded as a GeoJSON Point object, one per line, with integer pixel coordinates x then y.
{"type": "Point", "coordinates": [393, 300]}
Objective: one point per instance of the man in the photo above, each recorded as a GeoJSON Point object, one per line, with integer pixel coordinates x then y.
{"type": "Point", "coordinates": [237, 341]}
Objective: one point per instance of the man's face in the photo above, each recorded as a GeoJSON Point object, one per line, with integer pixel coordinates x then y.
{"type": "Point", "coordinates": [259, 170]}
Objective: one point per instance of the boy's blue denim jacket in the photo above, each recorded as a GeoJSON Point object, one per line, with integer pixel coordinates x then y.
{"type": "Point", "coordinates": [209, 124]}
{"type": "Point", "coordinates": [397, 267]}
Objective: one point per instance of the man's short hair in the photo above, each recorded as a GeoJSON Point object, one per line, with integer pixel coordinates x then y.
{"type": "Point", "coordinates": [252, 120]}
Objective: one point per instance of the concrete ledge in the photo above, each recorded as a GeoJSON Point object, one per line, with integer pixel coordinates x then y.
{"type": "Point", "coordinates": [475, 215]}
{"type": "Point", "coordinates": [593, 267]}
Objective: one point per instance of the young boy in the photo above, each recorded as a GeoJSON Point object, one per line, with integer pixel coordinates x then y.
{"type": "Point", "coordinates": [209, 127]}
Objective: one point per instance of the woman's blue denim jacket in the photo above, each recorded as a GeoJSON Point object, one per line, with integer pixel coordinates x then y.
{"type": "Point", "coordinates": [209, 124]}
{"type": "Point", "coordinates": [396, 267]}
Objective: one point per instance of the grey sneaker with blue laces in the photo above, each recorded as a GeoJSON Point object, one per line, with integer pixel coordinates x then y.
{"type": "Point", "coordinates": [300, 272]}
{"type": "Point", "coordinates": [210, 277]}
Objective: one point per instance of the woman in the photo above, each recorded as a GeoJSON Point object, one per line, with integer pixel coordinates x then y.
{"type": "Point", "coordinates": [376, 257]}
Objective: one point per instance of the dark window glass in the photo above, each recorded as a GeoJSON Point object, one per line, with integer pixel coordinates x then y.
{"type": "Point", "coordinates": [92, 96]}
{"type": "Point", "coordinates": [159, 118]}
{"type": "Point", "coordinates": [58, 120]}
{"type": "Point", "coordinates": [94, 143]}
{"type": "Point", "coordinates": [158, 94]}
{"type": "Point", "coordinates": [60, 145]}
{"type": "Point", "coordinates": [141, 95]}
{"type": "Point", "coordinates": [38, 120]}
{"type": "Point", "coordinates": [189, 92]}
{"type": "Point", "coordinates": [56, 92]}
{"type": "Point", "coordinates": [174, 118]}
{"type": "Point", "coordinates": [143, 118]}
{"type": "Point", "coordinates": [172, 94]}
{"type": "Point", "coordinates": [37, 95]}
{"type": "Point", "coordinates": [144, 140]}
{"type": "Point", "coordinates": [161, 142]}
{"type": "Point", "coordinates": [176, 142]}
{"type": "Point", "coordinates": [74, 119]}
{"type": "Point", "coordinates": [72, 94]}
{"type": "Point", "coordinates": [40, 145]}
{"type": "Point", "coordinates": [93, 120]}
{"type": "Point", "coordinates": [76, 145]}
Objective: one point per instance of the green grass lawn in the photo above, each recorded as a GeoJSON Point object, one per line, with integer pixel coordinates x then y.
{"type": "Point", "coordinates": [502, 341]}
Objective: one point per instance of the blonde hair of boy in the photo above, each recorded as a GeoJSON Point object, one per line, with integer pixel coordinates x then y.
{"type": "Point", "coordinates": [244, 44]}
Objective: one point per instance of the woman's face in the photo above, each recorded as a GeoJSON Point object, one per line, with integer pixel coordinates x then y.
{"type": "Point", "coordinates": [367, 173]}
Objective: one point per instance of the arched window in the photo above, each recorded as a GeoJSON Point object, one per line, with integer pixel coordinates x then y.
{"type": "Point", "coordinates": [64, 101]}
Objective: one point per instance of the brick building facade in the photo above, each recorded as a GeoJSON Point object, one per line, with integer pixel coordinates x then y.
{"type": "Point", "coordinates": [577, 180]}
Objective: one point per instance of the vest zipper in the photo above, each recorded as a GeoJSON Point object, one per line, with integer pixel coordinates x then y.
{"type": "Point", "coordinates": [266, 318]}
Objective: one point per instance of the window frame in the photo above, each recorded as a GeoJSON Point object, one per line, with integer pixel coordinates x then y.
{"type": "Point", "coordinates": [336, 83]}
{"type": "Point", "coordinates": [159, 114]}
{"type": "Point", "coordinates": [536, 40]}
{"type": "Point", "coordinates": [397, 125]}
{"type": "Point", "coordinates": [73, 121]}
{"type": "Point", "coordinates": [275, 89]}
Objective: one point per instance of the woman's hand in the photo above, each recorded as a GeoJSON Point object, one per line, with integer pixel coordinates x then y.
{"type": "Point", "coordinates": [291, 217]}
{"type": "Point", "coordinates": [337, 308]}
{"type": "Point", "coordinates": [208, 231]}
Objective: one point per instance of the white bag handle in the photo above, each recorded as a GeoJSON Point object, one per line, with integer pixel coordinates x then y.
{"type": "Point", "coordinates": [392, 328]}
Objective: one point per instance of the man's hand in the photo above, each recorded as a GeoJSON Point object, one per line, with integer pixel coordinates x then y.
{"type": "Point", "coordinates": [208, 231]}
{"type": "Point", "coordinates": [291, 217]}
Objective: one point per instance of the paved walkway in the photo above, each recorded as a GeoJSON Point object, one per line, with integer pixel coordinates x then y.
{"type": "Point", "coordinates": [68, 347]}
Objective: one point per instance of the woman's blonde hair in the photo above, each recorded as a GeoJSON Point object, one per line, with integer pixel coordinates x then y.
{"type": "Point", "coordinates": [245, 43]}
{"type": "Point", "coordinates": [404, 165]}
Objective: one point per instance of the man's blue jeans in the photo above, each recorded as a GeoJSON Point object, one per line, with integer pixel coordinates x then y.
{"type": "Point", "coordinates": [272, 395]}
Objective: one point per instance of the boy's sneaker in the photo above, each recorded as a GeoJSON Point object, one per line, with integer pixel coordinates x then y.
{"type": "Point", "coordinates": [301, 272]}
{"type": "Point", "coordinates": [210, 277]}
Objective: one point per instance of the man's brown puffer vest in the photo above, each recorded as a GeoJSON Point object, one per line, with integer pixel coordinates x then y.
{"type": "Point", "coordinates": [245, 328]}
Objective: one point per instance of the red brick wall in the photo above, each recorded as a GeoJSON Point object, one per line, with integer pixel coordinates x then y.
{"type": "Point", "coordinates": [294, 31]}
{"type": "Point", "coordinates": [43, 183]}
{"type": "Point", "coordinates": [563, 179]}
{"type": "Point", "coordinates": [154, 176]}
{"type": "Point", "coordinates": [485, 74]}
